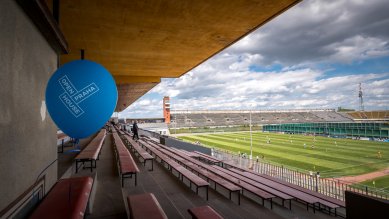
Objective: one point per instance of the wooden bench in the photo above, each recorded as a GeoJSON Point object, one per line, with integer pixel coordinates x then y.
{"type": "Point", "coordinates": [91, 152]}
{"type": "Point", "coordinates": [67, 199]}
{"type": "Point", "coordinates": [329, 202]}
{"type": "Point", "coordinates": [226, 177]}
{"type": "Point", "coordinates": [253, 186]}
{"type": "Point", "coordinates": [126, 164]}
{"type": "Point", "coordinates": [142, 153]}
{"type": "Point", "coordinates": [208, 158]}
{"type": "Point", "coordinates": [188, 153]}
{"type": "Point", "coordinates": [182, 171]}
{"type": "Point", "coordinates": [145, 206]}
{"type": "Point", "coordinates": [204, 212]}
{"type": "Point", "coordinates": [308, 199]}
{"type": "Point", "coordinates": [232, 188]}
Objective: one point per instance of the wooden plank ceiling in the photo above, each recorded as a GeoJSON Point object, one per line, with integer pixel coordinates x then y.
{"type": "Point", "coordinates": [142, 41]}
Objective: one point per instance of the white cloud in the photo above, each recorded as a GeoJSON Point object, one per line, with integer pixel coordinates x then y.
{"type": "Point", "coordinates": [321, 31]}
{"type": "Point", "coordinates": [289, 63]}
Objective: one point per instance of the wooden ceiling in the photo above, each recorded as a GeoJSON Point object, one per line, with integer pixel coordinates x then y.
{"type": "Point", "coordinates": [142, 41]}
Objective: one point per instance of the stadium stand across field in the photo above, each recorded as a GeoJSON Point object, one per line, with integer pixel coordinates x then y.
{"type": "Point", "coordinates": [370, 115]}
{"type": "Point", "coordinates": [181, 119]}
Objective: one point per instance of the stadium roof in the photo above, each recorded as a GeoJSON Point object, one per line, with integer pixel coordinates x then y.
{"type": "Point", "coordinates": [140, 42]}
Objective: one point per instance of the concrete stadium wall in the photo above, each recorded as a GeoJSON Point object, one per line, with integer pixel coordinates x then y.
{"type": "Point", "coordinates": [27, 133]}
{"type": "Point", "coordinates": [171, 142]}
{"type": "Point", "coordinates": [149, 133]}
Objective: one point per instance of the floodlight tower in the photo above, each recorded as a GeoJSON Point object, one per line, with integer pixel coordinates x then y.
{"type": "Point", "coordinates": [360, 95]}
{"type": "Point", "coordinates": [166, 109]}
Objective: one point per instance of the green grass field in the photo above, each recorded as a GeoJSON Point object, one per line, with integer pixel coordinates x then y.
{"type": "Point", "coordinates": [379, 185]}
{"type": "Point", "coordinates": [382, 183]}
{"type": "Point", "coordinates": [333, 157]}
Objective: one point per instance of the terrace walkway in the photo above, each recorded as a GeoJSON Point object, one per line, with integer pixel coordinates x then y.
{"type": "Point", "coordinates": [175, 197]}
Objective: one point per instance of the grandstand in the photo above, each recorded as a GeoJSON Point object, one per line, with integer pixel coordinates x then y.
{"type": "Point", "coordinates": [185, 119]}
{"type": "Point", "coordinates": [369, 115]}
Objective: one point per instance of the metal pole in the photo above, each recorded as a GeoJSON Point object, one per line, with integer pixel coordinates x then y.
{"type": "Point", "coordinates": [251, 140]}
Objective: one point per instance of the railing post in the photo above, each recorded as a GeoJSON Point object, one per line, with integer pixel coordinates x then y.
{"type": "Point", "coordinates": [282, 172]}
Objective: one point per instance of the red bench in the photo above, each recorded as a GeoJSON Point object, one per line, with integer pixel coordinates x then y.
{"type": "Point", "coordinates": [127, 165]}
{"type": "Point", "coordinates": [329, 202]}
{"type": "Point", "coordinates": [265, 187]}
{"type": "Point", "coordinates": [307, 198]}
{"type": "Point", "coordinates": [182, 171]}
{"type": "Point", "coordinates": [91, 152]}
{"type": "Point", "coordinates": [128, 168]}
{"type": "Point", "coordinates": [145, 206]}
{"type": "Point", "coordinates": [264, 195]}
{"type": "Point", "coordinates": [208, 158]}
{"type": "Point", "coordinates": [67, 199]}
{"type": "Point", "coordinates": [204, 212]}
{"type": "Point", "coordinates": [137, 149]}
{"type": "Point", "coordinates": [206, 174]}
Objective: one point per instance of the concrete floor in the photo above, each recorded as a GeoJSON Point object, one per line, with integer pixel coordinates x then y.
{"type": "Point", "coordinates": [174, 196]}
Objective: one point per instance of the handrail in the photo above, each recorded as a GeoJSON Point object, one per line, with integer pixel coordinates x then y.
{"type": "Point", "coordinates": [16, 203]}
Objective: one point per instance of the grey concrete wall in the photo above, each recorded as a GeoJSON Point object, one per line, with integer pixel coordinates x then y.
{"type": "Point", "coordinates": [171, 142]}
{"type": "Point", "coordinates": [149, 133]}
{"type": "Point", "coordinates": [27, 133]}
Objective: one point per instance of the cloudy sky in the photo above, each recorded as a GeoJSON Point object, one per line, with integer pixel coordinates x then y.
{"type": "Point", "coordinates": [312, 56]}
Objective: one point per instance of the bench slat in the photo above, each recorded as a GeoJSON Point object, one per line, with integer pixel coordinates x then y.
{"type": "Point", "coordinates": [204, 212]}
{"type": "Point", "coordinates": [327, 200]}
{"type": "Point", "coordinates": [145, 206]}
{"type": "Point", "coordinates": [57, 203]}
{"type": "Point", "coordinates": [282, 188]}
{"type": "Point", "coordinates": [261, 193]}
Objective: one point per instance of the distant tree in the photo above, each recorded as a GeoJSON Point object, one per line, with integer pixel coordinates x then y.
{"type": "Point", "coordinates": [340, 109]}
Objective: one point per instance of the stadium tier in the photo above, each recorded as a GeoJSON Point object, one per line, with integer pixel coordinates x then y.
{"type": "Point", "coordinates": [181, 119]}
{"type": "Point", "coordinates": [370, 115]}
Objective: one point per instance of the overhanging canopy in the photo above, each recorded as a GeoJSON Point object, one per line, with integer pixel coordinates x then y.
{"type": "Point", "coordinates": [142, 41]}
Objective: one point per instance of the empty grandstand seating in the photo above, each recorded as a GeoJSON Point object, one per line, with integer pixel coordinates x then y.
{"type": "Point", "coordinates": [139, 150]}
{"type": "Point", "coordinates": [264, 187]}
{"type": "Point", "coordinates": [323, 200]}
{"type": "Point", "coordinates": [212, 174]}
{"type": "Point", "coordinates": [370, 115]}
{"type": "Point", "coordinates": [183, 172]}
{"type": "Point", "coordinates": [237, 118]}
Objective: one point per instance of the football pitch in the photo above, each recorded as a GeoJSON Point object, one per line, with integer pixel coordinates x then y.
{"type": "Point", "coordinates": [332, 157]}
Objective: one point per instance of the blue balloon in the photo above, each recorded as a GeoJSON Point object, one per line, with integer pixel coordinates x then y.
{"type": "Point", "coordinates": [81, 97]}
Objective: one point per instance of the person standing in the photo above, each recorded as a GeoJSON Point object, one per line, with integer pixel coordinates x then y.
{"type": "Point", "coordinates": [135, 130]}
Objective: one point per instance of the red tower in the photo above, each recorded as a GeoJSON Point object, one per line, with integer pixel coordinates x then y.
{"type": "Point", "coordinates": [166, 109]}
